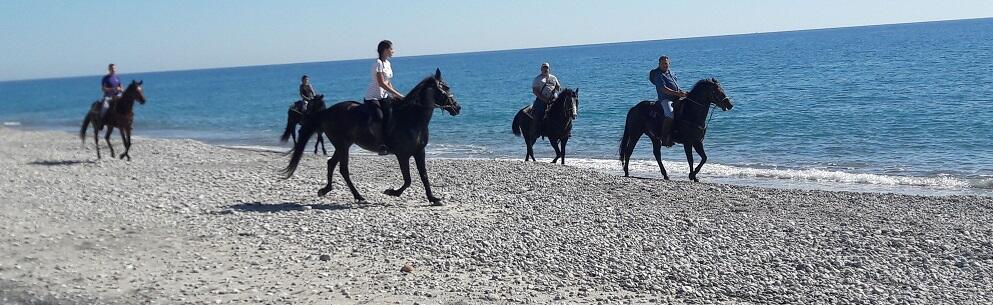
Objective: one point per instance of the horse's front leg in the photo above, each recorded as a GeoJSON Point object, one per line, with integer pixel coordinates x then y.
{"type": "Point", "coordinates": [404, 161]}
{"type": "Point", "coordinates": [657, 149]}
{"type": "Point", "coordinates": [688, 149]}
{"type": "Point", "coordinates": [423, 172]}
{"type": "Point", "coordinates": [703, 159]}
{"type": "Point", "coordinates": [555, 145]}
{"type": "Point", "coordinates": [127, 146]}
{"type": "Point", "coordinates": [564, 140]}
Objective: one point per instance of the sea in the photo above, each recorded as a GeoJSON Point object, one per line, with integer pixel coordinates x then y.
{"type": "Point", "coordinates": [904, 108]}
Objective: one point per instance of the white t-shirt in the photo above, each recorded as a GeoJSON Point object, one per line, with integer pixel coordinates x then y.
{"type": "Point", "coordinates": [374, 91]}
{"type": "Point", "coordinates": [545, 85]}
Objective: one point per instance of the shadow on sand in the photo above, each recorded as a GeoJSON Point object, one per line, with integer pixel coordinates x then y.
{"type": "Point", "coordinates": [60, 162]}
{"type": "Point", "coordinates": [259, 207]}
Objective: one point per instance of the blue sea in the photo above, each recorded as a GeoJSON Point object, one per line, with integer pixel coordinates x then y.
{"type": "Point", "coordinates": [893, 108]}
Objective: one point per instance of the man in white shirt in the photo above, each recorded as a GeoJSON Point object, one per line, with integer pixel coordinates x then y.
{"type": "Point", "coordinates": [545, 88]}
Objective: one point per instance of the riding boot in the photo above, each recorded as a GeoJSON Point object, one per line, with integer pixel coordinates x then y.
{"type": "Point", "coordinates": [386, 105]}
{"type": "Point", "coordinates": [667, 132]}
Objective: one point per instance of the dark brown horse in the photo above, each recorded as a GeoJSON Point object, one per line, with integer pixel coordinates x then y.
{"type": "Point", "coordinates": [349, 123]}
{"type": "Point", "coordinates": [689, 127]}
{"type": "Point", "coordinates": [557, 126]}
{"type": "Point", "coordinates": [120, 114]}
{"type": "Point", "coordinates": [297, 114]}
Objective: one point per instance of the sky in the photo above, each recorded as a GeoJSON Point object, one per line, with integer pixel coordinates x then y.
{"type": "Point", "coordinates": [49, 38]}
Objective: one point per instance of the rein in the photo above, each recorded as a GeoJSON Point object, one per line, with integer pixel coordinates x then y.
{"type": "Point", "coordinates": [712, 107]}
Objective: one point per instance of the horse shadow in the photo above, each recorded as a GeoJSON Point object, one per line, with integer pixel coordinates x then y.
{"type": "Point", "coordinates": [60, 162]}
{"type": "Point", "coordinates": [259, 207]}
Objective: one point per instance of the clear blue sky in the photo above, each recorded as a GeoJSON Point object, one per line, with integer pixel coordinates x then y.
{"type": "Point", "coordinates": [43, 38]}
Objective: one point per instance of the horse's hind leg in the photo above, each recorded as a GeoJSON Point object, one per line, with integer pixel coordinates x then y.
{"type": "Point", "coordinates": [628, 150]}
{"type": "Point", "coordinates": [703, 159]}
{"type": "Point", "coordinates": [404, 162]}
{"type": "Point", "coordinates": [320, 138]}
{"type": "Point", "coordinates": [331, 164]}
{"type": "Point", "coordinates": [657, 149]}
{"type": "Point", "coordinates": [348, 179]}
{"type": "Point", "coordinates": [530, 145]}
{"type": "Point", "coordinates": [106, 138]}
{"type": "Point", "coordinates": [555, 145]}
{"type": "Point", "coordinates": [96, 140]}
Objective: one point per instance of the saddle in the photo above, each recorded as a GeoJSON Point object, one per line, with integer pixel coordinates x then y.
{"type": "Point", "coordinates": [299, 107]}
{"type": "Point", "coordinates": [530, 112]}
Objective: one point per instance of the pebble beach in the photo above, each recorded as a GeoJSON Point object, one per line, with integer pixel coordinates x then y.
{"type": "Point", "coordinates": [186, 222]}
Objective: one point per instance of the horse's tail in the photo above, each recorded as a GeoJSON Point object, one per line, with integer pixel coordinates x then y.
{"type": "Point", "coordinates": [82, 129]}
{"type": "Point", "coordinates": [290, 124]}
{"type": "Point", "coordinates": [628, 124]}
{"type": "Point", "coordinates": [517, 125]}
{"type": "Point", "coordinates": [306, 131]}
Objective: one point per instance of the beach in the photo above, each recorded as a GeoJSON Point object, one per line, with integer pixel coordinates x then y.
{"type": "Point", "coordinates": [190, 223]}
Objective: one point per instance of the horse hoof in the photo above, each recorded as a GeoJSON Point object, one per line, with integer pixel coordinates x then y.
{"type": "Point", "coordinates": [392, 192]}
{"type": "Point", "coordinates": [361, 201]}
{"type": "Point", "coordinates": [666, 178]}
{"type": "Point", "coordinates": [435, 201]}
{"type": "Point", "coordinates": [323, 191]}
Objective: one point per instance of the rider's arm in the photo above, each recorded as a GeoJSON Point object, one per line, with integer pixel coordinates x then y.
{"type": "Point", "coordinates": [381, 79]}
{"type": "Point", "coordinates": [671, 92]}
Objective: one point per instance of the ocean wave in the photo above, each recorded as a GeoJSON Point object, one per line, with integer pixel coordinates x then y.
{"type": "Point", "coordinates": [812, 175]}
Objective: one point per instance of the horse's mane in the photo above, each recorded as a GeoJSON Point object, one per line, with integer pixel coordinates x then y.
{"type": "Point", "coordinates": [705, 82]}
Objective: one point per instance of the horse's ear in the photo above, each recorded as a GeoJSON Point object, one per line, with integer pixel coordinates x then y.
{"type": "Point", "coordinates": [577, 90]}
{"type": "Point", "coordinates": [437, 73]}
{"type": "Point", "coordinates": [134, 82]}
{"type": "Point", "coordinates": [140, 82]}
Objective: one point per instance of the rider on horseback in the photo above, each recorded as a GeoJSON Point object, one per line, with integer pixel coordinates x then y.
{"type": "Point", "coordinates": [668, 93]}
{"type": "Point", "coordinates": [380, 93]}
{"type": "Point", "coordinates": [545, 87]}
{"type": "Point", "coordinates": [111, 87]}
{"type": "Point", "coordinates": [306, 93]}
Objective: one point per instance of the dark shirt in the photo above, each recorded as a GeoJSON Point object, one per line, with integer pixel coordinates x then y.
{"type": "Point", "coordinates": [111, 81]}
{"type": "Point", "coordinates": [307, 92]}
{"type": "Point", "coordinates": [663, 80]}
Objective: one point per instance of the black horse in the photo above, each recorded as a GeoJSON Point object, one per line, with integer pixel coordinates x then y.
{"type": "Point", "coordinates": [348, 123]}
{"type": "Point", "coordinates": [298, 114]}
{"type": "Point", "coordinates": [689, 127]}
{"type": "Point", "coordinates": [557, 126]}
{"type": "Point", "coordinates": [120, 114]}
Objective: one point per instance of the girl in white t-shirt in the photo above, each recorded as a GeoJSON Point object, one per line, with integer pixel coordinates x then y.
{"type": "Point", "coordinates": [380, 92]}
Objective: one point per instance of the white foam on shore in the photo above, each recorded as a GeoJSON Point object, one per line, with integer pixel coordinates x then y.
{"type": "Point", "coordinates": [678, 170]}
{"type": "Point", "coordinates": [11, 123]}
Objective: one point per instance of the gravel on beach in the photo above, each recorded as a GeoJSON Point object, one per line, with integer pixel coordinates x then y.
{"type": "Point", "coordinates": [190, 223]}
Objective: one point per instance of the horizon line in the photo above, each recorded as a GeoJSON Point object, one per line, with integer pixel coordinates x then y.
{"type": "Point", "coordinates": [507, 50]}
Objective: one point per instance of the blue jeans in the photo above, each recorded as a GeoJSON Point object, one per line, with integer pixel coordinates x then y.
{"type": "Point", "coordinates": [538, 109]}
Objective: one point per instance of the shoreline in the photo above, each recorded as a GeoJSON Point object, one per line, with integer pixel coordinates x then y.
{"type": "Point", "coordinates": [776, 177]}
{"type": "Point", "coordinates": [192, 223]}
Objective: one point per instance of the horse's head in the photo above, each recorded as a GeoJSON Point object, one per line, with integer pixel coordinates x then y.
{"type": "Point", "coordinates": [569, 99]}
{"type": "Point", "coordinates": [433, 92]}
{"type": "Point", "coordinates": [714, 93]}
{"type": "Point", "coordinates": [135, 91]}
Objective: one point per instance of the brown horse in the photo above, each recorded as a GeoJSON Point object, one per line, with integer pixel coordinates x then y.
{"type": "Point", "coordinates": [557, 127]}
{"type": "Point", "coordinates": [120, 114]}
{"type": "Point", "coordinates": [296, 115]}
{"type": "Point", "coordinates": [349, 123]}
{"type": "Point", "coordinates": [689, 127]}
